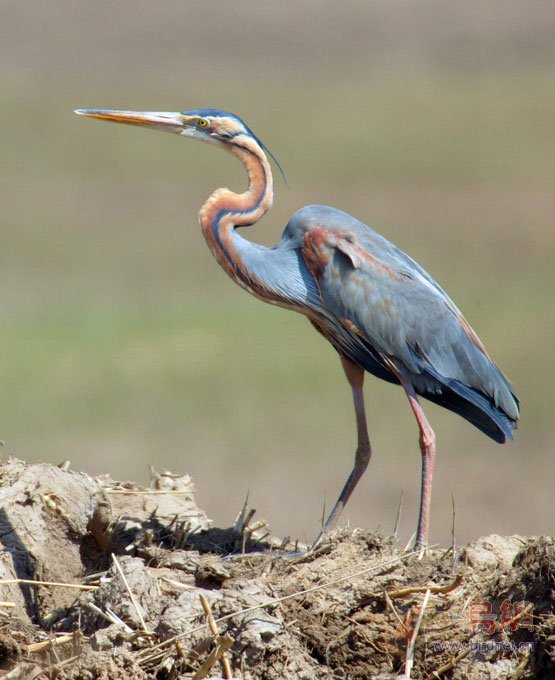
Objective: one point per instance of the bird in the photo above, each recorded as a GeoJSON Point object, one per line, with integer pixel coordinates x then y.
{"type": "Point", "coordinates": [380, 310]}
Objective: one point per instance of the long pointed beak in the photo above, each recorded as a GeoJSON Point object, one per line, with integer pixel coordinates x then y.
{"type": "Point", "coordinates": [157, 120]}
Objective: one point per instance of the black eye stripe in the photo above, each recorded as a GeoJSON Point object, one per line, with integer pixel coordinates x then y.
{"type": "Point", "coordinates": [228, 135]}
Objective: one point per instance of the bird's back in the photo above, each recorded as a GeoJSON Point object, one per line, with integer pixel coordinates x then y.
{"type": "Point", "coordinates": [393, 310]}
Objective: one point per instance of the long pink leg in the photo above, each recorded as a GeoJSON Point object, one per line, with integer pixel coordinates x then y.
{"type": "Point", "coordinates": [355, 376]}
{"type": "Point", "coordinates": [428, 449]}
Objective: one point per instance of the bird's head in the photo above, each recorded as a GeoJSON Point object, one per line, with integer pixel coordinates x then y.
{"type": "Point", "coordinates": [207, 125]}
{"type": "Point", "coordinates": [213, 126]}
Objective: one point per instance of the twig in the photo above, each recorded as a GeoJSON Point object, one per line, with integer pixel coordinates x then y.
{"type": "Point", "coordinates": [221, 640]}
{"type": "Point", "coordinates": [224, 643]}
{"type": "Point", "coordinates": [392, 607]}
{"type": "Point", "coordinates": [7, 604]}
{"type": "Point", "coordinates": [153, 652]}
{"type": "Point", "coordinates": [119, 622]}
{"type": "Point", "coordinates": [422, 589]}
{"type": "Point", "coordinates": [410, 650]}
{"type": "Point", "coordinates": [453, 544]}
{"type": "Point", "coordinates": [241, 517]}
{"type": "Point", "coordinates": [95, 577]}
{"type": "Point", "coordinates": [133, 600]}
{"type": "Point", "coordinates": [176, 584]}
{"type": "Point", "coordinates": [108, 616]}
{"type": "Point", "coordinates": [17, 673]}
{"type": "Point", "coordinates": [410, 542]}
{"type": "Point", "coordinates": [519, 670]}
{"type": "Point", "coordinates": [248, 531]}
{"type": "Point", "coordinates": [48, 644]}
{"type": "Point", "coordinates": [37, 673]}
{"type": "Point", "coordinates": [450, 664]}
{"type": "Point", "coordinates": [323, 516]}
{"type": "Point", "coordinates": [52, 584]}
{"type": "Point", "coordinates": [518, 616]}
{"type": "Point", "coordinates": [65, 662]}
{"type": "Point", "coordinates": [149, 492]}
{"type": "Point", "coordinates": [399, 509]}
{"type": "Point", "coordinates": [313, 553]}
{"type": "Point", "coordinates": [209, 616]}
{"type": "Point", "coordinates": [99, 611]}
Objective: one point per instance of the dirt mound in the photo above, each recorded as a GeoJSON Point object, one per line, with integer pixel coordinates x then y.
{"type": "Point", "coordinates": [103, 580]}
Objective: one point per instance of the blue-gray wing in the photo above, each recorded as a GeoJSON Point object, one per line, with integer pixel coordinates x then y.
{"type": "Point", "coordinates": [382, 296]}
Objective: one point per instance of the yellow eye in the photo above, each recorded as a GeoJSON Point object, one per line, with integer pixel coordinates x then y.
{"type": "Point", "coordinates": [202, 122]}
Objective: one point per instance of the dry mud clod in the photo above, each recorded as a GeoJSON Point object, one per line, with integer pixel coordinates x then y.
{"type": "Point", "coordinates": [104, 580]}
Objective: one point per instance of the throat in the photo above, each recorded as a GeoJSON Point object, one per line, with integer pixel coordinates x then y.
{"type": "Point", "coordinates": [248, 207]}
{"type": "Point", "coordinates": [225, 210]}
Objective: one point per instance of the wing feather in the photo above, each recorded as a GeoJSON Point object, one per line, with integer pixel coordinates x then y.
{"type": "Point", "coordinates": [400, 311]}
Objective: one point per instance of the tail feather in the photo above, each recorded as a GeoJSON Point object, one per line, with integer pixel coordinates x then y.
{"type": "Point", "coordinates": [476, 408]}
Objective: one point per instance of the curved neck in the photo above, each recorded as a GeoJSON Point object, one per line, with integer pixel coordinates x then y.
{"type": "Point", "coordinates": [225, 210]}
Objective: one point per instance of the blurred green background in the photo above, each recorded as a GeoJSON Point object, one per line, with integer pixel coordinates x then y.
{"type": "Point", "coordinates": [124, 344]}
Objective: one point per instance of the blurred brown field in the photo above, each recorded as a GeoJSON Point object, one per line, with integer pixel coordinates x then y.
{"type": "Point", "coordinates": [123, 343]}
